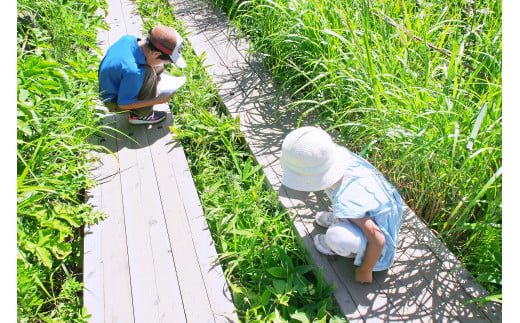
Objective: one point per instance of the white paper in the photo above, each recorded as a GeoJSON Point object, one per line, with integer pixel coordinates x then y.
{"type": "Point", "coordinates": [170, 84]}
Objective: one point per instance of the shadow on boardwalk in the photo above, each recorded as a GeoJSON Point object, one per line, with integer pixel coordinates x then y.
{"type": "Point", "coordinates": [130, 136]}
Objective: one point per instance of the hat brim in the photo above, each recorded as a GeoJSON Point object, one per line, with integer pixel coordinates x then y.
{"type": "Point", "coordinates": [178, 60]}
{"type": "Point", "coordinates": [176, 55]}
{"type": "Point", "coordinates": [321, 180]}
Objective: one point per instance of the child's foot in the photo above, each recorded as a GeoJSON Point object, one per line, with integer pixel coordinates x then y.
{"type": "Point", "coordinates": [154, 117]}
{"type": "Point", "coordinates": [325, 219]}
{"type": "Point", "coordinates": [322, 246]}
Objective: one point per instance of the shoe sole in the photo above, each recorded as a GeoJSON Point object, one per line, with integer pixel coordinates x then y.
{"type": "Point", "coordinates": [140, 122]}
{"type": "Point", "coordinates": [319, 245]}
{"type": "Point", "coordinates": [320, 223]}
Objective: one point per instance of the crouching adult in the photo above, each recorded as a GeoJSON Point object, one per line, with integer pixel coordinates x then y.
{"type": "Point", "coordinates": [131, 69]}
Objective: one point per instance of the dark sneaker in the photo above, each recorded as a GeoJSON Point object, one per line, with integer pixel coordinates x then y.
{"type": "Point", "coordinates": [154, 117]}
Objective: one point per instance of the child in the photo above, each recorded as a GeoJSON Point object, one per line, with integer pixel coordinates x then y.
{"type": "Point", "coordinates": [367, 209]}
{"type": "Point", "coordinates": [130, 71]}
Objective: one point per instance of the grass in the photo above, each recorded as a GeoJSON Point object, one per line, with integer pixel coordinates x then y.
{"type": "Point", "coordinates": [414, 87]}
{"type": "Point", "coordinates": [56, 89]}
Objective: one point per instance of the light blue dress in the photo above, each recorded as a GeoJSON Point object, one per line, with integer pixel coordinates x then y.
{"type": "Point", "coordinates": [364, 191]}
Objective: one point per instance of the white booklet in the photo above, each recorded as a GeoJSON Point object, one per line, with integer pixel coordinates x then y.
{"type": "Point", "coordinates": [170, 84]}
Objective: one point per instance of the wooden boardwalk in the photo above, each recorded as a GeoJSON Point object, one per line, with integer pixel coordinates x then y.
{"type": "Point", "coordinates": [426, 282]}
{"type": "Point", "coordinates": [153, 258]}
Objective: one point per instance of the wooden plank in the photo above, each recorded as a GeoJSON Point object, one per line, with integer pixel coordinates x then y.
{"type": "Point", "coordinates": [93, 292]}
{"type": "Point", "coordinates": [214, 280]}
{"type": "Point", "coordinates": [149, 251]}
{"type": "Point", "coordinates": [117, 288]}
{"type": "Point", "coordinates": [116, 21]}
{"type": "Point", "coordinates": [114, 285]}
{"type": "Point", "coordinates": [118, 296]}
{"type": "Point", "coordinates": [102, 37]}
{"type": "Point", "coordinates": [217, 22]}
{"type": "Point", "coordinates": [132, 20]}
{"type": "Point", "coordinates": [168, 286]}
{"type": "Point", "coordinates": [453, 281]}
{"type": "Point", "coordinates": [190, 281]}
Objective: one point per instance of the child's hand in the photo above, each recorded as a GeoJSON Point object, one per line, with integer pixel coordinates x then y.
{"type": "Point", "coordinates": [363, 276]}
{"type": "Point", "coordinates": [375, 243]}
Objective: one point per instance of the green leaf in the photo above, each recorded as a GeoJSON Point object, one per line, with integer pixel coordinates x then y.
{"type": "Point", "coordinates": [302, 269]}
{"type": "Point", "coordinates": [337, 319]}
{"type": "Point", "coordinates": [300, 317]}
{"type": "Point", "coordinates": [44, 256]}
{"type": "Point", "coordinates": [266, 295]}
{"type": "Point", "coordinates": [24, 95]}
{"type": "Point", "coordinates": [284, 300]}
{"type": "Point", "coordinates": [61, 250]}
{"type": "Point", "coordinates": [279, 286]}
{"type": "Point", "coordinates": [302, 285]}
{"type": "Point", "coordinates": [58, 225]}
{"type": "Point", "coordinates": [278, 272]}
{"type": "Point", "coordinates": [68, 213]}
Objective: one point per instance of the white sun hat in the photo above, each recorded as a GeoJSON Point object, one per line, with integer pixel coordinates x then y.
{"type": "Point", "coordinates": [344, 238]}
{"type": "Point", "coordinates": [311, 161]}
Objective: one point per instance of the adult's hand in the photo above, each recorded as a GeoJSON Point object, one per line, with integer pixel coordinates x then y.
{"type": "Point", "coordinates": [161, 98]}
{"type": "Point", "coordinates": [165, 97]}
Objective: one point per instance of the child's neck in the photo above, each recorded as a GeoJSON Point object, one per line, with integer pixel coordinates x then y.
{"type": "Point", "coordinates": [333, 187]}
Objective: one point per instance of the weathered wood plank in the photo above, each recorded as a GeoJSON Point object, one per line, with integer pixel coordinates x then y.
{"type": "Point", "coordinates": [214, 280]}
{"type": "Point", "coordinates": [190, 280]}
{"type": "Point", "coordinates": [113, 288]}
{"type": "Point", "coordinates": [152, 269]}
{"type": "Point", "coordinates": [93, 293]}
{"type": "Point", "coordinates": [132, 20]}
{"type": "Point", "coordinates": [453, 283]}
{"type": "Point", "coordinates": [116, 21]}
{"type": "Point", "coordinates": [116, 275]}
{"type": "Point", "coordinates": [168, 285]}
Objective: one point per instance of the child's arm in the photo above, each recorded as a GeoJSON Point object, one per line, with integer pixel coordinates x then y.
{"type": "Point", "coordinates": [376, 241]}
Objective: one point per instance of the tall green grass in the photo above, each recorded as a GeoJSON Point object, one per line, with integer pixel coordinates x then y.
{"type": "Point", "coordinates": [269, 277]}
{"type": "Point", "coordinates": [413, 86]}
{"type": "Point", "coordinates": [56, 89]}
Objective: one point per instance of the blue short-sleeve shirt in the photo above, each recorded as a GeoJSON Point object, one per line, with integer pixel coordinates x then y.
{"type": "Point", "coordinates": [364, 191]}
{"type": "Point", "coordinates": [121, 72]}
